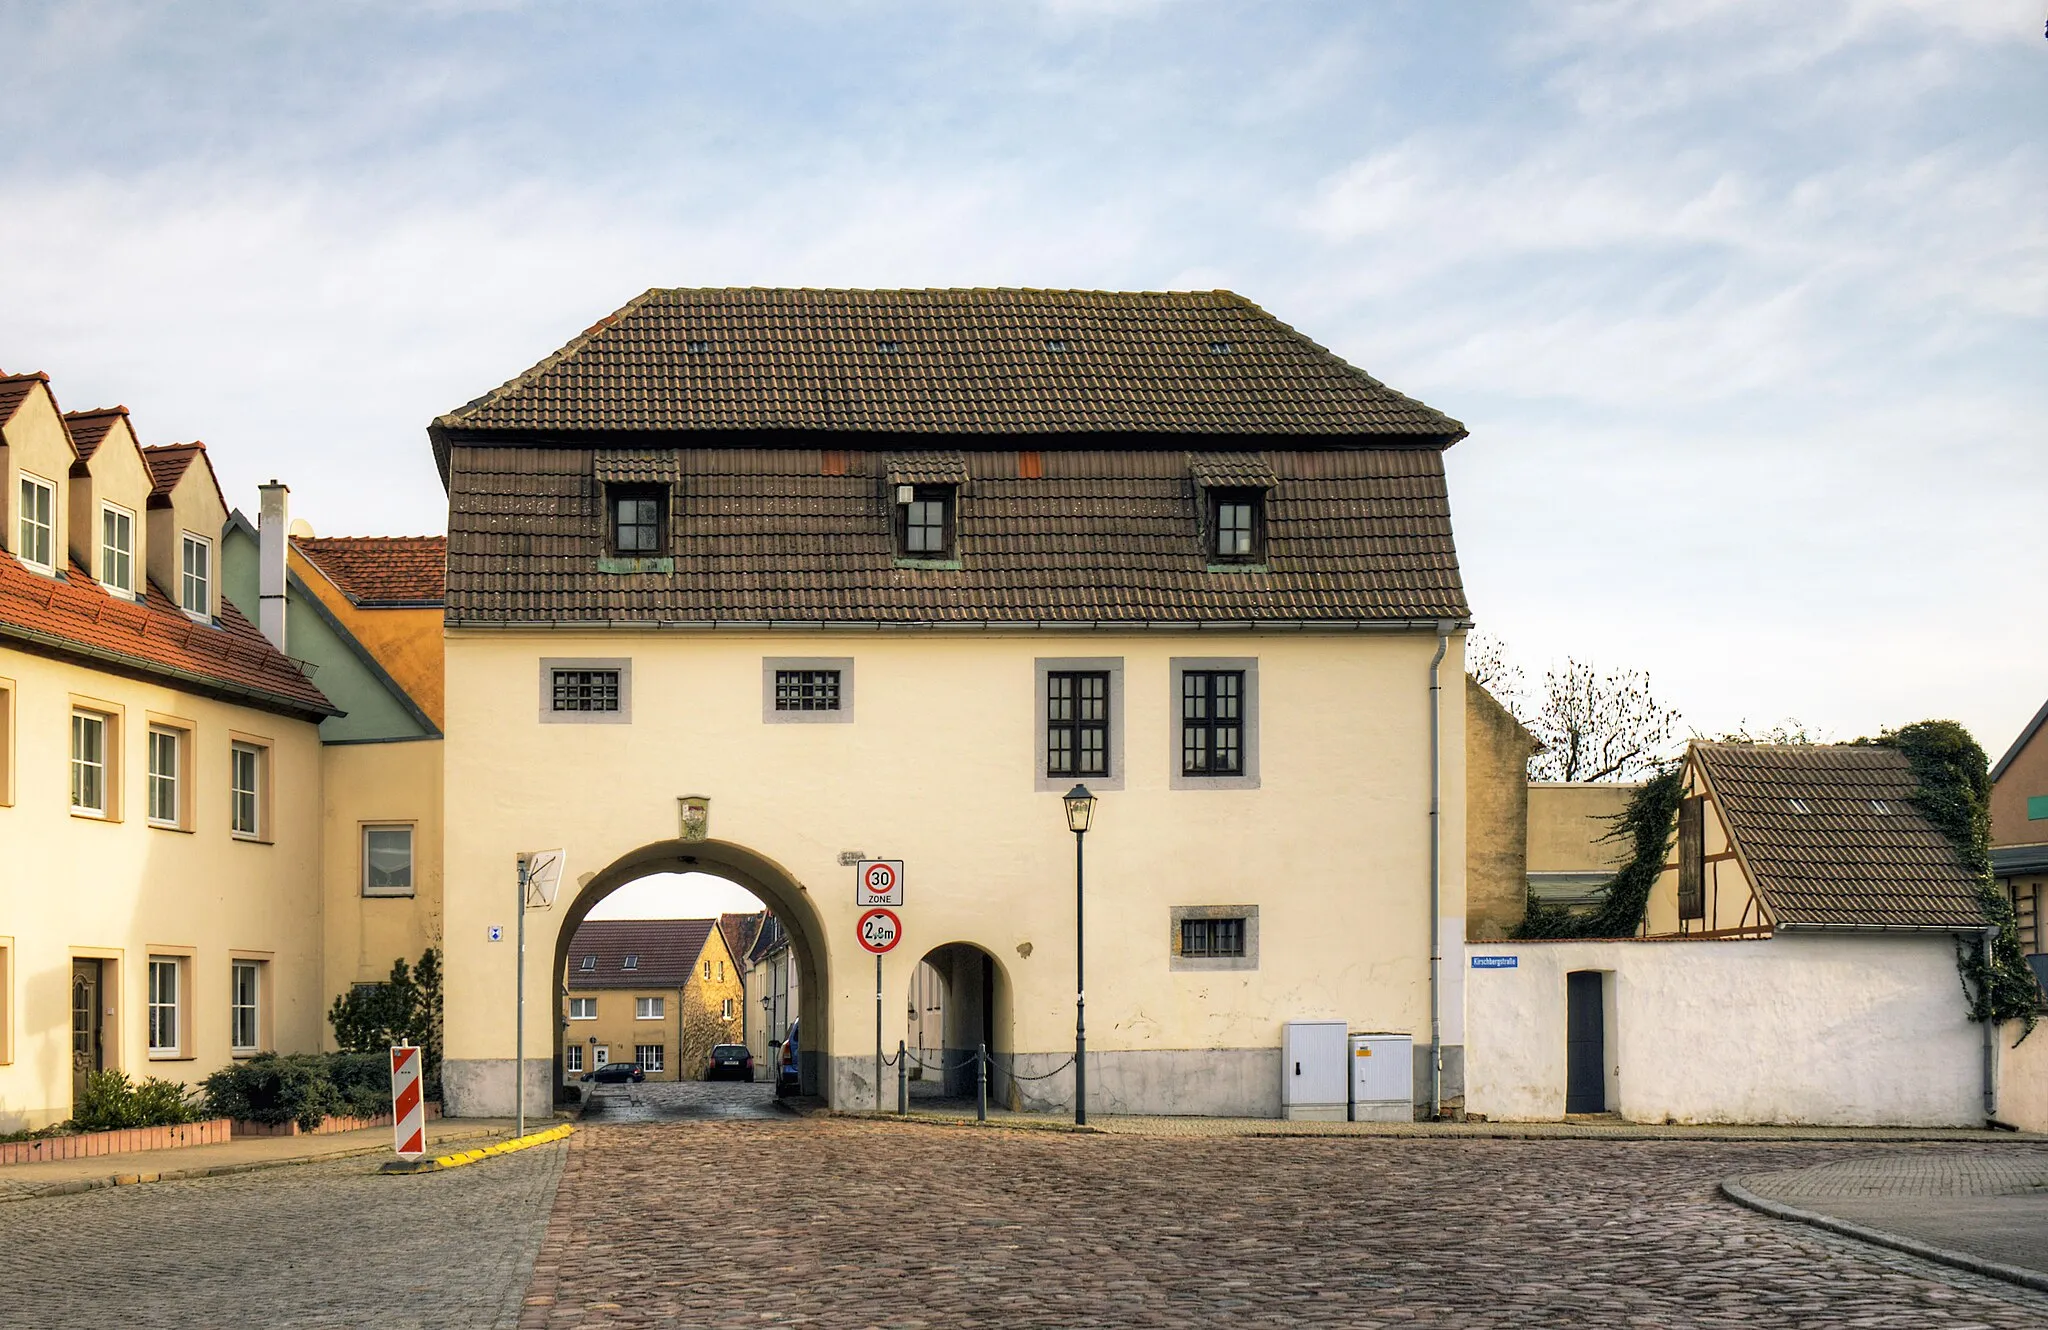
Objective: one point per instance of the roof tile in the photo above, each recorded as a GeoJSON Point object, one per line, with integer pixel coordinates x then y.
{"type": "Point", "coordinates": [665, 951]}
{"type": "Point", "coordinates": [382, 570]}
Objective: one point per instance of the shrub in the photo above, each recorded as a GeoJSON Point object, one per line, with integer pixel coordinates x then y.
{"type": "Point", "coordinates": [370, 1018]}
{"type": "Point", "coordinates": [301, 1087]}
{"type": "Point", "coordinates": [110, 1102]}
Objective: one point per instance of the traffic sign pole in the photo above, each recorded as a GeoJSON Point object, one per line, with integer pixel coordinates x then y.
{"type": "Point", "coordinates": [879, 931]}
{"type": "Point", "coordinates": [878, 1032]}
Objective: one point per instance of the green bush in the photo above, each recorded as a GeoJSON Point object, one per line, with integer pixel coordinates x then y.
{"type": "Point", "coordinates": [370, 1018]}
{"type": "Point", "coordinates": [110, 1102]}
{"type": "Point", "coordinates": [301, 1087]}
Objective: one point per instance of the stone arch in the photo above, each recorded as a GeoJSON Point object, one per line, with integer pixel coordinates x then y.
{"type": "Point", "coordinates": [979, 1006]}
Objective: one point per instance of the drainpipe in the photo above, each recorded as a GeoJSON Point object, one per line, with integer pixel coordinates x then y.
{"type": "Point", "coordinates": [1990, 1042]}
{"type": "Point", "coordinates": [1436, 875]}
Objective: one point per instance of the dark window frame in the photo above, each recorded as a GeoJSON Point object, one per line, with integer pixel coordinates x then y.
{"type": "Point", "coordinates": [808, 689]}
{"type": "Point", "coordinates": [1203, 690]}
{"type": "Point", "coordinates": [1215, 939]}
{"type": "Point", "coordinates": [585, 685]}
{"type": "Point", "coordinates": [1066, 702]}
{"type": "Point", "coordinates": [948, 499]}
{"type": "Point", "coordinates": [1255, 501]}
{"type": "Point", "coordinates": [656, 527]}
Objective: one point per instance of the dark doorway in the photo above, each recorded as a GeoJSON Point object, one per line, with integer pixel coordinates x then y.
{"type": "Point", "coordinates": [1585, 1035]}
{"type": "Point", "coordinates": [88, 1050]}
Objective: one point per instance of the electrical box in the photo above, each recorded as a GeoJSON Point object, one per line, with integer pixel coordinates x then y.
{"type": "Point", "coordinates": [1382, 1078]}
{"type": "Point", "coordinates": [1312, 1074]}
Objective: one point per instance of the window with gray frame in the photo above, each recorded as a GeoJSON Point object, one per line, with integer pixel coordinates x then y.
{"type": "Point", "coordinates": [807, 690]}
{"type": "Point", "coordinates": [1210, 939]}
{"type": "Point", "coordinates": [1213, 937]}
{"type": "Point", "coordinates": [1212, 722]}
{"type": "Point", "coordinates": [586, 690]}
{"type": "Point", "coordinates": [387, 861]}
{"type": "Point", "coordinates": [1077, 723]}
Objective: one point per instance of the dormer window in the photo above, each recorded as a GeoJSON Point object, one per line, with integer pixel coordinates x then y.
{"type": "Point", "coordinates": [1237, 521]}
{"type": "Point", "coordinates": [35, 530]}
{"type": "Point", "coordinates": [636, 513]}
{"type": "Point", "coordinates": [117, 549]}
{"type": "Point", "coordinates": [195, 579]}
{"type": "Point", "coordinates": [925, 521]}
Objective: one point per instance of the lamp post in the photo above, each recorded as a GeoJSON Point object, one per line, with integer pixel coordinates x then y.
{"type": "Point", "coordinates": [1080, 812]}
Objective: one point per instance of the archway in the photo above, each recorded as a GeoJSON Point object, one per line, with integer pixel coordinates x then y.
{"type": "Point", "coordinates": [777, 890]}
{"type": "Point", "coordinates": [959, 1000]}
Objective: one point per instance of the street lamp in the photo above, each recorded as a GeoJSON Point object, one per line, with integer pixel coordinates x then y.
{"type": "Point", "coordinates": [1080, 812]}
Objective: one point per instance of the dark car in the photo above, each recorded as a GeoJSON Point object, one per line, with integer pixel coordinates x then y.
{"type": "Point", "coordinates": [788, 1078]}
{"type": "Point", "coordinates": [729, 1062]}
{"type": "Point", "coordinates": [614, 1073]}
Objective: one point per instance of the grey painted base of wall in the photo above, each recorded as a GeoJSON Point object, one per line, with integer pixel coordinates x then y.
{"type": "Point", "coordinates": [482, 1088]}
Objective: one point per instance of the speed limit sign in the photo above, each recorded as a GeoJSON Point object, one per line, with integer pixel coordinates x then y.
{"type": "Point", "coordinates": [878, 882]}
{"type": "Point", "coordinates": [880, 930]}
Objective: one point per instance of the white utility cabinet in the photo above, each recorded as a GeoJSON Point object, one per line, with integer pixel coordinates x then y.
{"type": "Point", "coordinates": [1382, 1078]}
{"type": "Point", "coordinates": [1312, 1073]}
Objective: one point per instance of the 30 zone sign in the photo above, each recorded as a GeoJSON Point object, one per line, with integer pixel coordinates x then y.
{"type": "Point", "coordinates": [880, 930]}
{"type": "Point", "coordinates": [878, 882]}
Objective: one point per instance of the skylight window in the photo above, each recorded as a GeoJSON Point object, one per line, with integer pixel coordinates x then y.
{"type": "Point", "coordinates": [1880, 807]}
{"type": "Point", "coordinates": [1220, 348]}
{"type": "Point", "coordinates": [589, 963]}
{"type": "Point", "coordinates": [697, 345]}
{"type": "Point", "coordinates": [1055, 344]}
{"type": "Point", "coordinates": [1798, 805]}
{"type": "Point", "coordinates": [631, 962]}
{"type": "Point", "coordinates": [887, 347]}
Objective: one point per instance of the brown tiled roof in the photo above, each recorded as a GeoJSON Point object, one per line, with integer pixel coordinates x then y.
{"type": "Point", "coordinates": [950, 362]}
{"type": "Point", "coordinates": [1231, 471]}
{"type": "Point", "coordinates": [90, 428]}
{"type": "Point", "coordinates": [382, 570]}
{"type": "Point", "coordinates": [1842, 861]}
{"type": "Point", "coordinates": [667, 949]}
{"type": "Point", "coordinates": [739, 930]}
{"type": "Point", "coordinates": [1098, 535]}
{"type": "Point", "coordinates": [154, 638]}
{"type": "Point", "coordinates": [14, 390]}
{"type": "Point", "coordinates": [168, 463]}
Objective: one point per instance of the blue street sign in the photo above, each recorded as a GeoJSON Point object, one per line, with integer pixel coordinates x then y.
{"type": "Point", "coordinates": [1495, 962]}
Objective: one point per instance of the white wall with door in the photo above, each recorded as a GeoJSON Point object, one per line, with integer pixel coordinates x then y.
{"type": "Point", "coordinates": [1834, 1029]}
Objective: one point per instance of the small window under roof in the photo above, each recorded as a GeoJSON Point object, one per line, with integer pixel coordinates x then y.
{"type": "Point", "coordinates": [888, 347]}
{"type": "Point", "coordinates": [1055, 344]}
{"type": "Point", "coordinates": [1220, 348]}
{"type": "Point", "coordinates": [1880, 807]}
{"type": "Point", "coordinates": [589, 963]}
{"type": "Point", "coordinates": [696, 344]}
{"type": "Point", "coordinates": [631, 962]}
{"type": "Point", "coordinates": [1798, 805]}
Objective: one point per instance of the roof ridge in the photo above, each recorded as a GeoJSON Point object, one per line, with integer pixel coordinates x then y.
{"type": "Point", "coordinates": [573, 345]}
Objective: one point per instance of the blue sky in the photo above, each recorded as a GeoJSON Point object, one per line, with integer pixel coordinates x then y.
{"type": "Point", "coordinates": [1743, 302]}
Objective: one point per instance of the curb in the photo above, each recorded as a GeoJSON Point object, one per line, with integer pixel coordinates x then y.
{"type": "Point", "coordinates": [210, 1171]}
{"type": "Point", "coordinates": [408, 1167]}
{"type": "Point", "coordinates": [1927, 1251]}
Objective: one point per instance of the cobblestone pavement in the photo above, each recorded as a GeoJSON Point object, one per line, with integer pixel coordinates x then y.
{"type": "Point", "coordinates": [332, 1244]}
{"type": "Point", "coordinates": [833, 1222]}
{"type": "Point", "coordinates": [682, 1101]}
{"type": "Point", "coordinates": [1990, 1204]}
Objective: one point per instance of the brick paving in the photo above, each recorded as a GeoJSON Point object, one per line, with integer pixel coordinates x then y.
{"type": "Point", "coordinates": [840, 1221]}
{"type": "Point", "coordinates": [681, 1101]}
{"type": "Point", "coordinates": [328, 1244]}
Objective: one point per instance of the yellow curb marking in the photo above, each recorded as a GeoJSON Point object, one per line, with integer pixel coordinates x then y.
{"type": "Point", "coordinates": [505, 1147]}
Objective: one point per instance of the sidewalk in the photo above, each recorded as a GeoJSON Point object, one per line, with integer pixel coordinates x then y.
{"type": "Point", "coordinates": [20, 1182]}
{"type": "Point", "coordinates": [1977, 1210]}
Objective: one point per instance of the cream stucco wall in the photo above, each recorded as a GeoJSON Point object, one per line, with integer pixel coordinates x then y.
{"type": "Point", "coordinates": [2023, 1076]}
{"type": "Point", "coordinates": [618, 1030]}
{"type": "Point", "coordinates": [1567, 820]}
{"type": "Point", "coordinates": [383, 784]}
{"type": "Point", "coordinates": [33, 440]}
{"type": "Point", "coordinates": [121, 890]}
{"type": "Point", "coordinates": [938, 770]}
{"type": "Point", "coordinates": [1818, 1029]}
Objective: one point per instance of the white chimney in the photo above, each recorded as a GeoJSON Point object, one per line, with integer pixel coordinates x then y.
{"type": "Point", "coordinates": [273, 521]}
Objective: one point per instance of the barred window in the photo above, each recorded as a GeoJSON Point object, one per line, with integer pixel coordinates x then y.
{"type": "Point", "coordinates": [807, 690]}
{"type": "Point", "coordinates": [586, 690]}
{"type": "Point", "coordinates": [1212, 722]}
{"type": "Point", "coordinates": [1211, 937]}
{"type": "Point", "coordinates": [1077, 723]}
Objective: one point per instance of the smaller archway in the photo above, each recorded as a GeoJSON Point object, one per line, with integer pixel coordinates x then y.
{"type": "Point", "coordinates": [960, 1002]}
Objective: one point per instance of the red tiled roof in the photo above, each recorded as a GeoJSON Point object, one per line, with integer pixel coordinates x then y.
{"type": "Point", "coordinates": [739, 930]}
{"type": "Point", "coordinates": [155, 638]}
{"type": "Point", "coordinates": [90, 428]}
{"type": "Point", "coordinates": [14, 390]}
{"type": "Point", "coordinates": [667, 950]}
{"type": "Point", "coordinates": [382, 570]}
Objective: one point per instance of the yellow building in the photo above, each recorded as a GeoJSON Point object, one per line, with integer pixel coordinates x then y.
{"type": "Point", "coordinates": [659, 993]}
{"type": "Point", "coordinates": [761, 582]}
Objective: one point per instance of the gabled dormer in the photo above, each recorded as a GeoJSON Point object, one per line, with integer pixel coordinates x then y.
{"type": "Point", "coordinates": [110, 486]}
{"type": "Point", "coordinates": [186, 514]}
{"type": "Point", "coordinates": [35, 466]}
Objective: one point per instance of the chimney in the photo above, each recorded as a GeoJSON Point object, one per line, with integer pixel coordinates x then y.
{"type": "Point", "coordinates": [273, 522]}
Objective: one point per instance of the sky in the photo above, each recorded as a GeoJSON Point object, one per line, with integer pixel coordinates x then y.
{"type": "Point", "coordinates": [1743, 302]}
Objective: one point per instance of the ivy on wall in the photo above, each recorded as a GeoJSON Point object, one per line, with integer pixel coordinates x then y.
{"type": "Point", "coordinates": [1954, 780]}
{"type": "Point", "coordinates": [1647, 823]}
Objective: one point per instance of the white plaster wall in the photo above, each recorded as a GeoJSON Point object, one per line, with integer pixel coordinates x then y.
{"type": "Point", "coordinates": [1825, 1029]}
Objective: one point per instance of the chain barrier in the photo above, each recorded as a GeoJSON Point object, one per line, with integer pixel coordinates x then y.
{"type": "Point", "coordinates": [1015, 1075]}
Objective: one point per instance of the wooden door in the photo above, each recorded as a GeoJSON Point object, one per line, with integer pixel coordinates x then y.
{"type": "Point", "coordinates": [88, 1053]}
{"type": "Point", "coordinates": [1585, 1024]}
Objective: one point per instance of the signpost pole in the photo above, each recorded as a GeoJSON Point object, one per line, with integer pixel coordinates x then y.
{"type": "Point", "coordinates": [519, 1029]}
{"type": "Point", "coordinates": [878, 1032]}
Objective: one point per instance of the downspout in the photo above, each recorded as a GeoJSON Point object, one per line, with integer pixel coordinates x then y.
{"type": "Point", "coordinates": [1436, 875]}
{"type": "Point", "coordinates": [1990, 1041]}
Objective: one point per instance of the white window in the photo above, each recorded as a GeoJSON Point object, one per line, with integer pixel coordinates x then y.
{"type": "Point", "coordinates": [165, 761]}
{"type": "Point", "coordinates": [649, 1008]}
{"type": "Point", "coordinates": [242, 1011]}
{"type": "Point", "coordinates": [245, 789]}
{"type": "Point", "coordinates": [707, 971]}
{"type": "Point", "coordinates": [648, 1056]}
{"type": "Point", "coordinates": [582, 1009]}
{"type": "Point", "coordinates": [163, 1004]}
{"type": "Point", "coordinates": [572, 1057]}
{"type": "Point", "coordinates": [631, 962]}
{"type": "Point", "coordinates": [587, 963]}
{"type": "Point", "coordinates": [726, 1010]}
{"type": "Point", "coordinates": [387, 861]}
{"type": "Point", "coordinates": [195, 582]}
{"type": "Point", "coordinates": [89, 763]}
{"type": "Point", "coordinates": [600, 1055]}
{"type": "Point", "coordinates": [36, 527]}
{"type": "Point", "coordinates": [117, 549]}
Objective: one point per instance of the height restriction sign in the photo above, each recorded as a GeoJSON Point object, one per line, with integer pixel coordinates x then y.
{"type": "Point", "coordinates": [879, 931]}
{"type": "Point", "coordinates": [878, 882]}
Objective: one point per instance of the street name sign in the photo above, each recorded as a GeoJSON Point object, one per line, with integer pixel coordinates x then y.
{"type": "Point", "coordinates": [878, 882]}
{"type": "Point", "coordinates": [408, 1111]}
{"type": "Point", "coordinates": [1496, 962]}
{"type": "Point", "coordinates": [880, 930]}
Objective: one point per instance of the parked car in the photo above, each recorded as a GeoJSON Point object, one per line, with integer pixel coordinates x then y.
{"type": "Point", "coordinates": [734, 1062]}
{"type": "Point", "coordinates": [788, 1077]}
{"type": "Point", "coordinates": [614, 1073]}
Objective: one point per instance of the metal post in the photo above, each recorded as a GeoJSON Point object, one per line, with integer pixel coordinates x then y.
{"type": "Point", "coordinates": [1080, 995]}
{"type": "Point", "coordinates": [878, 1032]}
{"type": "Point", "coordinates": [981, 1082]}
{"type": "Point", "coordinates": [902, 1077]}
{"type": "Point", "coordinates": [519, 1028]}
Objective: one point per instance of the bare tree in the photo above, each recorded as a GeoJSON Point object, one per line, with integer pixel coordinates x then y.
{"type": "Point", "coordinates": [1486, 660]}
{"type": "Point", "coordinates": [1599, 724]}
{"type": "Point", "coordinates": [1790, 730]}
